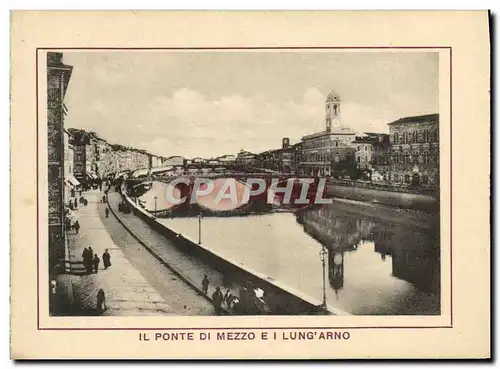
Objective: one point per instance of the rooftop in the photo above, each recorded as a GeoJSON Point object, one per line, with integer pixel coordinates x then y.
{"type": "Point", "coordinates": [343, 130]}
{"type": "Point", "coordinates": [417, 119]}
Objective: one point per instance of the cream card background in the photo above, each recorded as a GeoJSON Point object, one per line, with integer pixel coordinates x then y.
{"type": "Point", "coordinates": [463, 38]}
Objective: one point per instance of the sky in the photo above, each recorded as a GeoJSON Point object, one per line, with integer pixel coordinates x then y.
{"type": "Point", "coordinates": [211, 103]}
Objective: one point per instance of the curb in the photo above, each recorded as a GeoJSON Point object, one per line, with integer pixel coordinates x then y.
{"type": "Point", "coordinates": [177, 272]}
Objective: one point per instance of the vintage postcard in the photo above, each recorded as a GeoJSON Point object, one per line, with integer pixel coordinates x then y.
{"type": "Point", "coordinates": [244, 185]}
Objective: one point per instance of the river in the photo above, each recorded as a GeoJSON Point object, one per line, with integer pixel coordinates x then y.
{"type": "Point", "coordinates": [380, 261]}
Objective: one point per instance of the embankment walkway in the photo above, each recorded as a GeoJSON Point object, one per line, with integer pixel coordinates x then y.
{"type": "Point", "coordinates": [191, 270]}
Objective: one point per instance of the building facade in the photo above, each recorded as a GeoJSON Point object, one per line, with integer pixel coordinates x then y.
{"type": "Point", "coordinates": [58, 77]}
{"type": "Point", "coordinates": [174, 161]}
{"type": "Point", "coordinates": [246, 158]}
{"type": "Point", "coordinates": [372, 156]}
{"type": "Point", "coordinates": [227, 159]}
{"type": "Point", "coordinates": [414, 147]}
{"type": "Point", "coordinates": [381, 158]}
{"type": "Point", "coordinates": [364, 151]}
{"type": "Point", "coordinates": [70, 182]}
{"type": "Point", "coordinates": [283, 160]}
{"type": "Point", "coordinates": [97, 151]}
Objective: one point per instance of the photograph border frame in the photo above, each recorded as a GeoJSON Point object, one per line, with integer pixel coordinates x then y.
{"type": "Point", "coordinates": [37, 76]}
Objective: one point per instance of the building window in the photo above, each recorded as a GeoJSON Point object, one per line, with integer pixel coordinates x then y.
{"type": "Point", "coordinates": [396, 158]}
{"type": "Point", "coordinates": [415, 136]}
{"type": "Point", "coordinates": [407, 178]}
{"type": "Point", "coordinates": [396, 138]}
{"type": "Point", "coordinates": [359, 159]}
{"type": "Point", "coordinates": [426, 157]}
{"type": "Point", "coordinates": [426, 135]}
{"type": "Point", "coordinates": [366, 148]}
{"type": "Point", "coordinates": [405, 137]}
{"type": "Point", "coordinates": [434, 135]}
{"type": "Point", "coordinates": [425, 179]}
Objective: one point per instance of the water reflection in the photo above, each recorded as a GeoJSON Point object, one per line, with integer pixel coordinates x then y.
{"type": "Point", "coordinates": [380, 261]}
{"type": "Point", "coordinates": [406, 250]}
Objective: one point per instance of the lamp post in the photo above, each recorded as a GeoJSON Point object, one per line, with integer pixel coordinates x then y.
{"type": "Point", "coordinates": [199, 228]}
{"type": "Point", "coordinates": [322, 255]}
{"type": "Point", "coordinates": [156, 207]}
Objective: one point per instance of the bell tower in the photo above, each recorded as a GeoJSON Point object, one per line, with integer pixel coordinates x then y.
{"type": "Point", "coordinates": [332, 111]}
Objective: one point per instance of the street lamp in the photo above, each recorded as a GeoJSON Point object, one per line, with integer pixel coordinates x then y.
{"type": "Point", "coordinates": [156, 207]}
{"type": "Point", "coordinates": [199, 228]}
{"type": "Point", "coordinates": [322, 255]}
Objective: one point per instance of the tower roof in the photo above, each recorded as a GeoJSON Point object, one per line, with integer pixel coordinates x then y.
{"type": "Point", "coordinates": [333, 96]}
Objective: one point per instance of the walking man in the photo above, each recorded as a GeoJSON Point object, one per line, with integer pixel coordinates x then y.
{"type": "Point", "coordinates": [106, 259]}
{"type": "Point", "coordinates": [106, 211]}
{"type": "Point", "coordinates": [96, 261]}
{"type": "Point", "coordinates": [85, 256]}
{"type": "Point", "coordinates": [228, 298]}
{"type": "Point", "coordinates": [217, 300]}
{"type": "Point", "coordinates": [89, 262]}
{"type": "Point", "coordinates": [204, 284]}
{"type": "Point", "coordinates": [77, 226]}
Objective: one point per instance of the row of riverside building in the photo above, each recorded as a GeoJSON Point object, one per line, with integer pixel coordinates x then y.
{"type": "Point", "coordinates": [89, 157]}
{"type": "Point", "coordinates": [408, 155]}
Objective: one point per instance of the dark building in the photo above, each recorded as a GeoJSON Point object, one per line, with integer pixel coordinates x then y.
{"type": "Point", "coordinates": [415, 150]}
{"type": "Point", "coordinates": [58, 77]}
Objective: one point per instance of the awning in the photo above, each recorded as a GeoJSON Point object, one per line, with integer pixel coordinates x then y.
{"type": "Point", "coordinates": [71, 181]}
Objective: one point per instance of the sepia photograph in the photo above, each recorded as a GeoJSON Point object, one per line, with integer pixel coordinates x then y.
{"type": "Point", "coordinates": [243, 182]}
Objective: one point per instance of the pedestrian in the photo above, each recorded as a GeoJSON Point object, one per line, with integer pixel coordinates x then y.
{"type": "Point", "coordinates": [107, 212]}
{"type": "Point", "coordinates": [89, 261]}
{"type": "Point", "coordinates": [234, 304]}
{"type": "Point", "coordinates": [106, 259]}
{"type": "Point", "coordinates": [70, 205]}
{"type": "Point", "coordinates": [228, 297]}
{"type": "Point", "coordinates": [85, 256]}
{"type": "Point", "coordinates": [80, 193]}
{"type": "Point", "coordinates": [104, 199]}
{"type": "Point", "coordinates": [76, 203]}
{"type": "Point", "coordinates": [204, 283]}
{"type": "Point", "coordinates": [217, 300]}
{"type": "Point", "coordinates": [85, 202]}
{"type": "Point", "coordinates": [76, 226]}
{"type": "Point", "coordinates": [96, 261]}
{"type": "Point", "coordinates": [101, 301]}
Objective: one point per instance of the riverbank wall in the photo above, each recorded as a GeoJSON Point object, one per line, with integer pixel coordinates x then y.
{"type": "Point", "coordinates": [280, 299]}
{"type": "Point", "coordinates": [403, 198]}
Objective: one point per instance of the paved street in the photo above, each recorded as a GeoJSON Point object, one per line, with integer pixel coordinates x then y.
{"type": "Point", "coordinates": [136, 283]}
